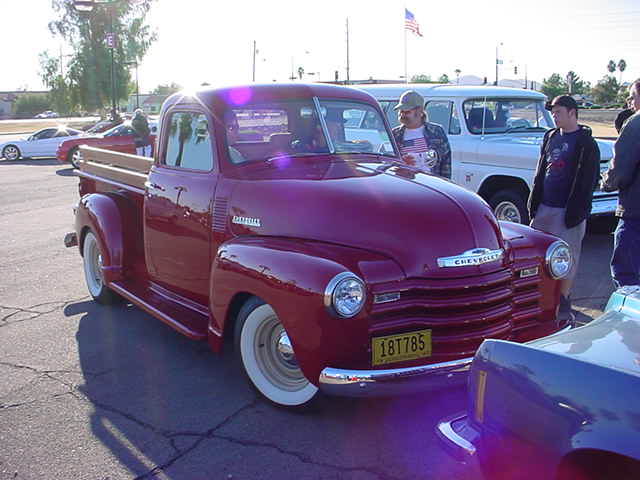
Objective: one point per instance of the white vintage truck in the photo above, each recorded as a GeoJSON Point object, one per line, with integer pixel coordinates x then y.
{"type": "Point", "coordinates": [495, 135]}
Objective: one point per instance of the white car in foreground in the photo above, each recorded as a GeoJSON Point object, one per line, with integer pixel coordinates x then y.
{"type": "Point", "coordinates": [43, 143]}
{"type": "Point", "coordinates": [495, 135]}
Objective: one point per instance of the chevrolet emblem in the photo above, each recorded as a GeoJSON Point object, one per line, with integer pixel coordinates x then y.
{"type": "Point", "coordinates": [476, 256]}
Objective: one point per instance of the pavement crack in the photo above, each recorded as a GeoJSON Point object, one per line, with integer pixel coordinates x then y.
{"type": "Point", "coordinates": [33, 311]}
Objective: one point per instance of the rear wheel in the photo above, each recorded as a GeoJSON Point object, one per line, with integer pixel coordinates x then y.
{"type": "Point", "coordinates": [92, 259]}
{"type": "Point", "coordinates": [11, 152]}
{"type": "Point", "coordinates": [510, 206]}
{"type": "Point", "coordinates": [265, 352]}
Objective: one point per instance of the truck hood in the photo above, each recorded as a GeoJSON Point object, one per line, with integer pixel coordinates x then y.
{"type": "Point", "coordinates": [396, 211]}
{"type": "Point", "coordinates": [611, 340]}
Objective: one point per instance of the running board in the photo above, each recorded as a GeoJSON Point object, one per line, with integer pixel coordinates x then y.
{"type": "Point", "coordinates": [186, 321]}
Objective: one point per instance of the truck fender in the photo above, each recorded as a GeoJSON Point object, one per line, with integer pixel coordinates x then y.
{"type": "Point", "coordinates": [291, 276]}
{"type": "Point", "coordinates": [100, 213]}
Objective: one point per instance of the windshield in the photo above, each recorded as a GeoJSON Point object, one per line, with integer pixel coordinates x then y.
{"type": "Point", "coordinates": [258, 132]}
{"type": "Point", "coordinates": [504, 115]}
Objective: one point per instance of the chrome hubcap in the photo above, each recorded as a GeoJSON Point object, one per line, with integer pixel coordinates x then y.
{"type": "Point", "coordinates": [508, 211]}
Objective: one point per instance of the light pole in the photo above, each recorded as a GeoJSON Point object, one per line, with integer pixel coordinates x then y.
{"type": "Point", "coordinates": [135, 63]}
{"type": "Point", "coordinates": [498, 62]}
{"type": "Point", "coordinates": [87, 6]}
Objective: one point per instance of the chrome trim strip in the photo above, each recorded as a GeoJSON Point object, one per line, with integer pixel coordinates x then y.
{"type": "Point", "coordinates": [446, 430]}
{"type": "Point", "coordinates": [374, 383]}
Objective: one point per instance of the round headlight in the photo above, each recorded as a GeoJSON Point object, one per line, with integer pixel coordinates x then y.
{"type": "Point", "coordinates": [558, 259]}
{"type": "Point", "coordinates": [344, 295]}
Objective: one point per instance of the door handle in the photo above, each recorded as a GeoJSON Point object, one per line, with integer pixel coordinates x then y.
{"type": "Point", "coordinates": [153, 186]}
{"type": "Point", "coordinates": [180, 188]}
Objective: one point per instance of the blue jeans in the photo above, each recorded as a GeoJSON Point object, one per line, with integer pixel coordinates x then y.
{"type": "Point", "coordinates": [625, 261]}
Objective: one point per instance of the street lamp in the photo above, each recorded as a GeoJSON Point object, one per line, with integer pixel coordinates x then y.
{"type": "Point", "coordinates": [87, 6]}
{"type": "Point", "coordinates": [498, 62]}
{"type": "Point", "coordinates": [135, 63]}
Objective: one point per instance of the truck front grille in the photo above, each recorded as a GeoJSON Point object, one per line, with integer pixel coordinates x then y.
{"type": "Point", "coordinates": [460, 312]}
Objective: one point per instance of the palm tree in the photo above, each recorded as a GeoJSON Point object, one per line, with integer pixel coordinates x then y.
{"type": "Point", "coordinates": [458, 72]}
{"type": "Point", "coordinates": [611, 66]}
{"type": "Point", "coordinates": [622, 66]}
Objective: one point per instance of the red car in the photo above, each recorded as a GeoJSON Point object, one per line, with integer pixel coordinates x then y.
{"type": "Point", "coordinates": [119, 139]}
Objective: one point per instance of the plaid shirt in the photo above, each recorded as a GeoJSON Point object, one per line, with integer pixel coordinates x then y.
{"type": "Point", "coordinates": [436, 139]}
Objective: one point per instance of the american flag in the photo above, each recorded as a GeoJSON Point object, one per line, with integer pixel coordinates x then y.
{"type": "Point", "coordinates": [410, 22]}
{"type": "Point", "coordinates": [415, 145]}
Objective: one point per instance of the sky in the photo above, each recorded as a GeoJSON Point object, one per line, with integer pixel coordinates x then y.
{"type": "Point", "coordinates": [212, 41]}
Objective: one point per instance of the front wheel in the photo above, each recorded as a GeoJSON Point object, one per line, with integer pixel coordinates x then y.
{"type": "Point", "coordinates": [11, 152]}
{"type": "Point", "coordinates": [510, 206]}
{"type": "Point", "coordinates": [265, 352]}
{"type": "Point", "coordinates": [92, 259]}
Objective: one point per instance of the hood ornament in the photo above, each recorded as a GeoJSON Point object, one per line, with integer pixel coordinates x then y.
{"type": "Point", "coordinates": [476, 256]}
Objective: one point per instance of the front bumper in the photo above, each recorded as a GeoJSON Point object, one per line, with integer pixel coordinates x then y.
{"type": "Point", "coordinates": [376, 383]}
{"type": "Point", "coordinates": [604, 206]}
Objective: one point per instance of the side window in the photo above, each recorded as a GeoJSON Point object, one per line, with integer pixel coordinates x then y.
{"type": "Point", "coordinates": [48, 133]}
{"type": "Point", "coordinates": [189, 142]}
{"type": "Point", "coordinates": [439, 111]}
{"type": "Point", "coordinates": [454, 127]}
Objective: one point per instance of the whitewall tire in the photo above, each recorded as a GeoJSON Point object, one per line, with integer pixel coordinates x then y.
{"type": "Point", "coordinates": [92, 260]}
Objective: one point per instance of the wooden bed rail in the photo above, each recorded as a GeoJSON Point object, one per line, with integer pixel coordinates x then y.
{"type": "Point", "coordinates": [120, 167]}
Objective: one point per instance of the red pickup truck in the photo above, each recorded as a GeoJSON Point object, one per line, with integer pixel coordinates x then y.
{"type": "Point", "coordinates": [266, 217]}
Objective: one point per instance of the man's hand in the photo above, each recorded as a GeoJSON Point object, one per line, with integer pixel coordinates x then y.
{"type": "Point", "coordinates": [409, 159]}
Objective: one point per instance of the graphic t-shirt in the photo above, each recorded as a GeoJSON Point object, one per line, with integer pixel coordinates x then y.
{"type": "Point", "coordinates": [561, 168]}
{"type": "Point", "coordinates": [414, 145]}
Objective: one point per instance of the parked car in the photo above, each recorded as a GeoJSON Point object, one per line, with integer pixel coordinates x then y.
{"type": "Point", "coordinates": [495, 135]}
{"type": "Point", "coordinates": [564, 407]}
{"type": "Point", "coordinates": [102, 126]}
{"type": "Point", "coordinates": [334, 267]}
{"type": "Point", "coordinates": [43, 143]}
{"type": "Point", "coordinates": [47, 114]}
{"type": "Point", "coordinates": [118, 138]}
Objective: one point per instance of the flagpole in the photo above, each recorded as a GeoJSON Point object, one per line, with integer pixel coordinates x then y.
{"type": "Point", "coordinates": [406, 79]}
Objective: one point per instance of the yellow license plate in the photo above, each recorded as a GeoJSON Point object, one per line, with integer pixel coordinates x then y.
{"type": "Point", "coordinates": [402, 347]}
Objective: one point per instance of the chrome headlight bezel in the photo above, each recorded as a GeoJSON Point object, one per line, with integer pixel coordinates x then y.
{"type": "Point", "coordinates": [333, 289]}
{"type": "Point", "coordinates": [554, 251]}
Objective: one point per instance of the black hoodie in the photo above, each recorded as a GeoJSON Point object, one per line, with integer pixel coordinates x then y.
{"type": "Point", "coordinates": [587, 155]}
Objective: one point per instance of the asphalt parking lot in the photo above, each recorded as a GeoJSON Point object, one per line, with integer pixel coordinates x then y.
{"type": "Point", "coordinates": [110, 393]}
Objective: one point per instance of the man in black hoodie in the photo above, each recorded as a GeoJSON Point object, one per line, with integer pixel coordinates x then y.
{"type": "Point", "coordinates": [624, 175]}
{"type": "Point", "coordinates": [566, 176]}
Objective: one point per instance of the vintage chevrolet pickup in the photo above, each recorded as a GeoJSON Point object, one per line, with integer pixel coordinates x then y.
{"type": "Point", "coordinates": [331, 265]}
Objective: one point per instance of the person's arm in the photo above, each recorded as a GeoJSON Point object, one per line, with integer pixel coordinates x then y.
{"type": "Point", "coordinates": [626, 157]}
{"type": "Point", "coordinates": [441, 143]}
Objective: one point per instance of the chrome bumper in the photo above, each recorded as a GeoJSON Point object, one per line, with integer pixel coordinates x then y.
{"type": "Point", "coordinates": [458, 437]}
{"type": "Point", "coordinates": [604, 206]}
{"type": "Point", "coordinates": [375, 383]}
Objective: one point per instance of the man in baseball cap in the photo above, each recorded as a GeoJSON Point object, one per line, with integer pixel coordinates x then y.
{"type": "Point", "coordinates": [422, 144]}
{"type": "Point", "coordinates": [567, 173]}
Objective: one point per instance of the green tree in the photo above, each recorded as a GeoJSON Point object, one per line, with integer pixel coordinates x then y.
{"type": "Point", "coordinates": [553, 86]}
{"type": "Point", "coordinates": [576, 85]}
{"type": "Point", "coordinates": [421, 79]}
{"type": "Point", "coordinates": [167, 89]}
{"type": "Point", "coordinates": [88, 74]}
{"type": "Point", "coordinates": [30, 104]}
{"type": "Point", "coordinates": [60, 96]}
{"type": "Point", "coordinates": [444, 78]}
{"type": "Point", "coordinates": [606, 90]}
{"type": "Point", "coordinates": [611, 66]}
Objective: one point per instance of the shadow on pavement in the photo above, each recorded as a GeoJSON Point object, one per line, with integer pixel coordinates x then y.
{"type": "Point", "coordinates": [32, 162]}
{"type": "Point", "coordinates": [67, 172]}
{"type": "Point", "coordinates": [162, 400]}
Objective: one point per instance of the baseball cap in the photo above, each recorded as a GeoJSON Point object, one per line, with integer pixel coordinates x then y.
{"type": "Point", "coordinates": [410, 100]}
{"type": "Point", "coordinates": [562, 101]}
